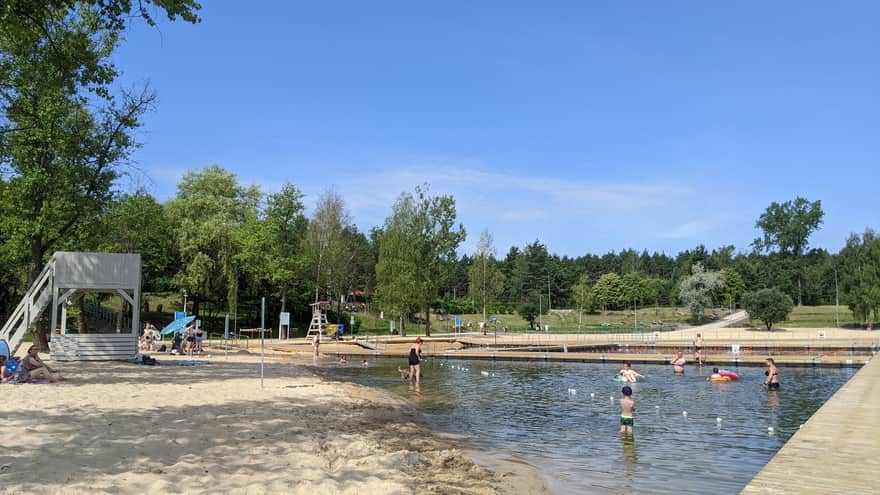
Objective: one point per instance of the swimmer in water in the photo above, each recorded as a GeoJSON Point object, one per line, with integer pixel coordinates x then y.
{"type": "Point", "coordinates": [629, 374]}
{"type": "Point", "coordinates": [772, 380]}
{"type": "Point", "coordinates": [715, 375]}
{"type": "Point", "coordinates": [678, 364]}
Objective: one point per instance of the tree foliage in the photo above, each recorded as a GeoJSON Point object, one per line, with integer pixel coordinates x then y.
{"type": "Point", "coordinates": [768, 305]}
{"type": "Point", "coordinates": [485, 279]}
{"type": "Point", "coordinates": [696, 291]}
{"type": "Point", "coordinates": [422, 237]}
{"type": "Point", "coordinates": [608, 292]}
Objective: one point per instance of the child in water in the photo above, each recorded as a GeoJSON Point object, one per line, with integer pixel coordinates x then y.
{"type": "Point", "coordinates": [628, 374]}
{"type": "Point", "coordinates": [715, 375]}
{"type": "Point", "coordinates": [627, 408]}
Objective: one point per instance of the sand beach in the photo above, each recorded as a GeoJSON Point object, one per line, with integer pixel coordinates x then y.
{"type": "Point", "coordinates": [122, 428]}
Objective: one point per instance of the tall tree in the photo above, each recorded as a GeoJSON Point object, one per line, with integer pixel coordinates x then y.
{"type": "Point", "coordinates": [286, 224]}
{"type": "Point", "coordinates": [608, 291]}
{"type": "Point", "coordinates": [64, 132]}
{"type": "Point", "coordinates": [485, 280]}
{"type": "Point", "coordinates": [787, 228]}
{"type": "Point", "coordinates": [208, 213]}
{"type": "Point", "coordinates": [421, 236]}
{"type": "Point", "coordinates": [583, 296]}
{"type": "Point", "coordinates": [325, 244]}
{"type": "Point", "coordinates": [696, 291]}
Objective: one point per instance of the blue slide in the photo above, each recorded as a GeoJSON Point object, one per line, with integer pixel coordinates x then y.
{"type": "Point", "coordinates": [178, 326]}
{"type": "Point", "coordinates": [4, 349]}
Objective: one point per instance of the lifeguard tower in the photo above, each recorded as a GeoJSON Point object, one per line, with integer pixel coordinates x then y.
{"type": "Point", "coordinates": [319, 319]}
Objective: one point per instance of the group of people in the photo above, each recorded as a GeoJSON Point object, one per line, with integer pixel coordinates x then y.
{"type": "Point", "coordinates": [31, 368]}
{"type": "Point", "coordinates": [628, 405]}
{"type": "Point", "coordinates": [190, 342]}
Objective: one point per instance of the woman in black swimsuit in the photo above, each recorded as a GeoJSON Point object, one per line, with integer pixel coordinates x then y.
{"type": "Point", "coordinates": [772, 380]}
{"type": "Point", "coordinates": [415, 357]}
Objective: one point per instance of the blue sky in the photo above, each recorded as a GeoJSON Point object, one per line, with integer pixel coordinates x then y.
{"type": "Point", "coordinates": [591, 126]}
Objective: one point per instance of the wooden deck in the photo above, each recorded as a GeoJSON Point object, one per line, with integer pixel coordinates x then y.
{"type": "Point", "coordinates": [838, 449]}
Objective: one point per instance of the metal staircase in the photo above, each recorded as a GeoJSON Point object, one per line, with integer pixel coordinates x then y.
{"type": "Point", "coordinates": [32, 305]}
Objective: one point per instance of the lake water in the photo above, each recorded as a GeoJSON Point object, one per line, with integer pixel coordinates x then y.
{"type": "Point", "coordinates": [524, 410]}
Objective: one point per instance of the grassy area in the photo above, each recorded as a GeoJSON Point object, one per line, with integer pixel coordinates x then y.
{"type": "Point", "coordinates": [562, 321]}
{"type": "Point", "coordinates": [816, 316]}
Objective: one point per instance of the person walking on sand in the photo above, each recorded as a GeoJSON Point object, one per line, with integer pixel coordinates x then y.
{"type": "Point", "coordinates": [415, 359]}
{"type": "Point", "coordinates": [627, 410]}
{"type": "Point", "coordinates": [772, 381]}
{"type": "Point", "coordinates": [678, 364]}
{"type": "Point", "coordinates": [316, 343]}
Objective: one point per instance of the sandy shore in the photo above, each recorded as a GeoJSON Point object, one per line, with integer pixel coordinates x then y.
{"type": "Point", "coordinates": [124, 428]}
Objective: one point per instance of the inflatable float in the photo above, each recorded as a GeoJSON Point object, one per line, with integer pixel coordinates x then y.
{"type": "Point", "coordinates": [719, 379]}
{"type": "Point", "coordinates": [729, 374]}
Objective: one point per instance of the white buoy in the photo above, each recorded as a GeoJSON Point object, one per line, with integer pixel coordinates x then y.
{"type": "Point", "coordinates": [592, 395]}
{"type": "Point", "coordinates": [656, 407]}
{"type": "Point", "coordinates": [718, 419]}
{"type": "Point", "coordinates": [612, 398]}
{"type": "Point", "coordinates": [484, 373]}
{"type": "Point", "coordinates": [801, 426]}
{"type": "Point", "coordinates": [769, 429]}
{"type": "Point", "coordinates": [684, 413]}
{"type": "Point", "coordinates": [572, 391]}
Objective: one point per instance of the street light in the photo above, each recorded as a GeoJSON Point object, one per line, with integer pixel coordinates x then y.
{"type": "Point", "coordinates": [184, 301]}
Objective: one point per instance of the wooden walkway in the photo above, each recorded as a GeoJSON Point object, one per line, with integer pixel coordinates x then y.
{"type": "Point", "coordinates": [838, 449]}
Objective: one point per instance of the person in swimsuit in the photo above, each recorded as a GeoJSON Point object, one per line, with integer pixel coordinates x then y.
{"type": "Point", "coordinates": [698, 349]}
{"type": "Point", "coordinates": [190, 341]}
{"type": "Point", "coordinates": [415, 358]}
{"type": "Point", "coordinates": [629, 374]}
{"type": "Point", "coordinates": [316, 343]}
{"type": "Point", "coordinates": [772, 380]}
{"type": "Point", "coordinates": [678, 364]}
{"type": "Point", "coordinates": [6, 376]}
{"type": "Point", "coordinates": [627, 409]}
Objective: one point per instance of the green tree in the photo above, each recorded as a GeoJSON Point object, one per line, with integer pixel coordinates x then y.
{"type": "Point", "coordinates": [325, 244]}
{"type": "Point", "coordinates": [787, 228]}
{"type": "Point", "coordinates": [136, 223]}
{"type": "Point", "coordinates": [421, 236]}
{"type": "Point", "coordinates": [583, 296]}
{"type": "Point", "coordinates": [208, 213]}
{"type": "Point", "coordinates": [485, 280]}
{"type": "Point", "coordinates": [732, 288]}
{"type": "Point", "coordinates": [634, 288]}
{"type": "Point", "coordinates": [529, 311]}
{"type": "Point", "coordinates": [608, 291]}
{"type": "Point", "coordinates": [859, 269]}
{"type": "Point", "coordinates": [286, 225]}
{"type": "Point", "coordinates": [696, 290]}
{"type": "Point", "coordinates": [768, 305]}
{"type": "Point", "coordinates": [654, 289]}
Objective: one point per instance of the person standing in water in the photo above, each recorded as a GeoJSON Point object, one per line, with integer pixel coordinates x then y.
{"type": "Point", "coordinates": [678, 364]}
{"type": "Point", "coordinates": [698, 349]}
{"type": "Point", "coordinates": [772, 380]}
{"type": "Point", "coordinates": [627, 409]}
{"type": "Point", "coordinates": [415, 359]}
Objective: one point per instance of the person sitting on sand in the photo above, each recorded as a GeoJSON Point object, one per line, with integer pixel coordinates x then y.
{"type": "Point", "coordinates": [175, 344]}
{"type": "Point", "coordinates": [33, 368]}
{"type": "Point", "coordinates": [629, 374]}
{"type": "Point", "coordinates": [678, 364]}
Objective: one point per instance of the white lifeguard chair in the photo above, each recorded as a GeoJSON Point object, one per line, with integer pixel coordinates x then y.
{"type": "Point", "coordinates": [319, 319]}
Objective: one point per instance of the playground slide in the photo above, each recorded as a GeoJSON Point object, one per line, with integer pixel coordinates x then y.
{"type": "Point", "coordinates": [178, 326]}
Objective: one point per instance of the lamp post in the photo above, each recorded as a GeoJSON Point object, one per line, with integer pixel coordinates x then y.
{"type": "Point", "coordinates": [184, 301]}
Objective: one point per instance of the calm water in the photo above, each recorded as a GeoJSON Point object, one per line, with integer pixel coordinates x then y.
{"type": "Point", "coordinates": [524, 410]}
